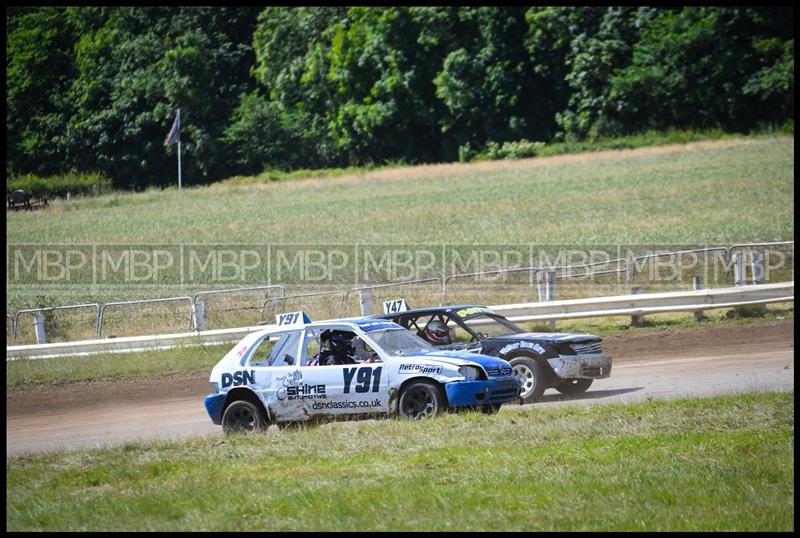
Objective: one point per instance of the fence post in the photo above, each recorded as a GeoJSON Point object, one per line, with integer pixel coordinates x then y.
{"type": "Point", "coordinates": [38, 326]}
{"type": "Point", "coordinates": [540, 286]}
{"type": "Point", "coordinates": [550, 293]}
{"type": "Point", "coordinates": [739, 269]}
{"type": "Point", "coordinates": [100, 322]}
{"type": "Point", "coordinates": [697, 284]}
{"type": "Point", "coordinates": [757, 269]}
{"type": "Point", "coordinates": [637, 321]}
{"type": "Point", "coordinates": [630, 270]}
{"type": "Point", "coordinates": [199, 313]}
{"type": "Point", "coordinates": [365, 298]}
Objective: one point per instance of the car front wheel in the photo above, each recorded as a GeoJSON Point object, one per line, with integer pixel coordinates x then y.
{"type": "Point", "coordinates": [242, 416]}
{"type": "Point", "coordinates": [574, 386]}
{"type": "Point", "coordinates": [533, 376]}
{"type": "Point", "coordinates": [421, 399]}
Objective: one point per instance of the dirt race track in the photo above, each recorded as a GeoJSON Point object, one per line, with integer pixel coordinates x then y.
{"type": "Point", "coordinates": [696, 362]}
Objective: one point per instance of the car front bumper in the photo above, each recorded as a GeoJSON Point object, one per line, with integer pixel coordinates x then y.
{"type": "Point", "coordinates": [460, 393]}
{"type": "Point", "coordinates": [214, 404]}
{"type": "Point", "coordinates": [582, 366]}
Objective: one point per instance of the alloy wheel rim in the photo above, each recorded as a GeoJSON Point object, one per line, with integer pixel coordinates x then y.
{"type": "Point", "coordinates": [527, 375]}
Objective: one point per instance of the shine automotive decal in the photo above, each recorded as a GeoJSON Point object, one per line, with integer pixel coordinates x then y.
{"type": "Point", "coordinates": [419, 369]}
{"type": "Point", "coordinates": [294, 389]}
{"type": "Point", "coordinates": [366, 379]}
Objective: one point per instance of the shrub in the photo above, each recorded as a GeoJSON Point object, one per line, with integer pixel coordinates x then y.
{"type": "Point", "coordinates": [520, 149]}
{"type": "Point", "coordinates": [59, 185]}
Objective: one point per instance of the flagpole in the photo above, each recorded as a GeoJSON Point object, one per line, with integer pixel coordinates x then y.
{"type": "Point", "coordinates": [179, 151]}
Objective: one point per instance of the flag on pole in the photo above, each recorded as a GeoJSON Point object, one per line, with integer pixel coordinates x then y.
{"type": "Point", "coordinates": [174, 135]}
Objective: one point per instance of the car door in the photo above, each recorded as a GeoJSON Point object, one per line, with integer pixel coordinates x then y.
{"type": "Point", "coordinates": [276, 368]}
{"type": "Point", "coordinates": [343, 388]}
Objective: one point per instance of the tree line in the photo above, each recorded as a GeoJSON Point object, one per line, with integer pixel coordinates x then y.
{"type": "Point", "coordinates": [95, 89]}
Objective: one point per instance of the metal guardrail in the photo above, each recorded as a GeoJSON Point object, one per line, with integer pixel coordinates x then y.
{"type": "Point", "coordinates": [623, 305]}
{"type": "Point", "coordinates": [392, 285]}
{"type": "Point", "coordinates": [630, 267]}
{"type": "Point", "coordinates": [650, 303]}
{"type": "Point", "coordinates": [282, 300]}
{"type": "Point", "coordinates": [533, 270]}
{"type": "Point", "coordinates": [238, 290]}
{"type": "Point", "coordinates": [144, 301]}
{"type": "Point", "coordinates": [745, 245]}
{"type": "Point", "coordinates": [198, 314]}
{"type": "Point", "coordinates": [41, 311]}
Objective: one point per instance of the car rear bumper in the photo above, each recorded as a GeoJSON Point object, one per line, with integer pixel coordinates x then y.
{"type": "Point", "coordinates": [582, 366]}
{"type": "Point", "coordinates": [460, 393]}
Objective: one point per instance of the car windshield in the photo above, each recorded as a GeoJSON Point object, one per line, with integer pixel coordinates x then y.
{"type": "Point", "coordinates": [400, 342]}
{"type": "Point", "coordinates": [489, 325]}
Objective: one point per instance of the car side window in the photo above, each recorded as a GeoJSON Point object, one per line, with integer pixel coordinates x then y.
{"type": "Point", "coordinates": [276, 351]}
{"type": "Point", "coordinates": [363, 352]}
{"type": "Point", "coordinates": [458, 333]}
{"type": "Point", "coordinates": [419, 324]}
{"type": "Point", "coordinates": [286, 356]}
{"type": "Point", "coordinates": [311, 348]}
{"type": "Point", "coordinates": [262, 355]}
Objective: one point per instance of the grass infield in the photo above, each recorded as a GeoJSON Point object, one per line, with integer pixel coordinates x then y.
{"type": "Point", "coordinates": [705, 464]}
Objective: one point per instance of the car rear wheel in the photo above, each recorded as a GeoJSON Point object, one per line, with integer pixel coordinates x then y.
{"type": "Point", "coordinates": [242, 416]}
{"type": "Point", "coordinates": [533, 376]}
{"type": "Point", "coordinates": [421, 399]}
{"type": "Point", "coordinates": [574, 386]}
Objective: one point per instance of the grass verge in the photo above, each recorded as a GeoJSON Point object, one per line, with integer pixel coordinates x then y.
{"type": "Point", "coordinates": [705, 464]}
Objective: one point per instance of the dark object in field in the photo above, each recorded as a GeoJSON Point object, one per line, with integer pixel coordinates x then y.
{"type": "Point", "coordinates": [19, 199]}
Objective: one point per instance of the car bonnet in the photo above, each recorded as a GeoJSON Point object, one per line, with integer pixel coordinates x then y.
{"type": "Point", "coordinates": [550, 337]}
{"type": "Point", "coordinates": [459, 358]}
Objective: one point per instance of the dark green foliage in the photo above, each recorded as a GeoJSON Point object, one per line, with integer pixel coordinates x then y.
{"type": "Point", "coordinates": [95, 89]}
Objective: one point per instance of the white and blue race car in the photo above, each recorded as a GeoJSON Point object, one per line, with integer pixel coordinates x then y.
{"type": "Point", "coordinates": [366, 367]}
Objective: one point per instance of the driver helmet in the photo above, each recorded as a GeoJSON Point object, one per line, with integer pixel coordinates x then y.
{"type": "Point", "coordinates": [341, 341]}
{"type": "Point", "coordinates": [436, 332]}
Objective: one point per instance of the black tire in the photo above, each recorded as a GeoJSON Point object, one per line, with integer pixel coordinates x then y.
{"type": "Point", "coordinates": [242, 416]}
{"type": "Point", "coordinates": [421, 399]}
{"type": "Point", "coordinates": [574, 386]}
{"type": "Point", "coordinates": [534, 378]}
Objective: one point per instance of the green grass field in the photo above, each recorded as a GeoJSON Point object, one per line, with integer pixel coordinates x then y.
{"type": "Point", "coordinates": [718, 191]}
{"type": "Point", "coordinates": [713, 464]}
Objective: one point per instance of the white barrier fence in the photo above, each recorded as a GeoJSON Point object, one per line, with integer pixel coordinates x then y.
{"type": "Point", "coordinates": [650, 303]}
{"type": "Point", "coordinates": [622, 305]}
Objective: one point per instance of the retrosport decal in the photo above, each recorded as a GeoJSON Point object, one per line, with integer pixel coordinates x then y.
{"type": "Point", "coordinates": [419, 369]}
{"type": "Point", "coordinates": [527, 345]}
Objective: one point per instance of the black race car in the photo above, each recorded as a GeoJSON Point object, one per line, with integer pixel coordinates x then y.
{"type": "Point", "coordinates": [567, 362]}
